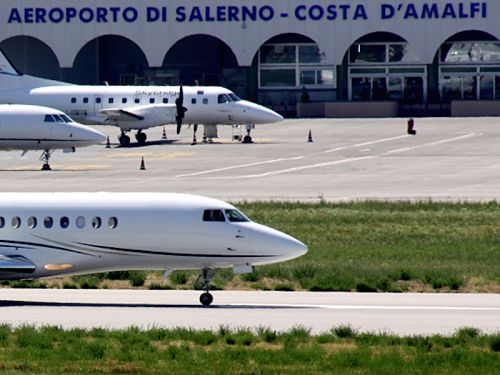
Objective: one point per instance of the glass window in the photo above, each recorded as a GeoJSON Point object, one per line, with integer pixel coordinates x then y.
{"type": "Point", "coordinates": [277, 78]}
{"type": "Point", "coordinates": [361, 88]}
{"type": "Point", "coordinates": [414, 89]}
{"type": "Point", "coordinates": [379, 89]}
{"type": "Point", "coordinates": [96, 222]}
{"type": "Point", "coordinates": [326, 77]}
{"type": "Point", "coordinates": [308, 77]}
{"type": "Point", "coordinates": [470, 52]}
{"type": "Point", "coordinates": [112, 222]}
{"type": "Point", "coordinates": [49, 118]}
{"type": "Point", "coordinates": [73, 100]}
{"type": "Point", "coordinates": [48, 222]}
{"type": "Point", "coordinates": [66, 118]}
{"type": "Point", "coordinates": [470, 87]}
{"type": "Point", "coordinates": [497, 87]}
{"type": "Point", "coordinates": [452, 87]}
{"type": "Point", "coordinates": [165, 100]}
{"type": "Point", "coordinates": [309, 54]}
{"type": "Point", "coordinates": [32, 222]}
{"type": "Point", "coordinates": [137, 100]}
{"type": "Point", "coordinates": [234, 97]}
{"type": "Point", "coordinates": [151, 100]}
{"type": "Point", "coordinates": [80, 222]}
{"type": "Point", "coordinates": [111, 100]}
{"type": "Point", "coordinates": [367, 53]}
{"type": "Point", "coordinates": [193, 101]}
{"type": "Point", "coordinates": [124, 100]}
{"type": "Point", "coordinates": [16, 222]}
{"type": "Point", "coordinates": [64, 222]}
{"type": "Point", "coordinates": [395, 88]}
{"type": "Point", "coordinates": [205, 101]}
{"type": "Point", "coordinates": [277, 54]}
{"type": "Point", "coordinates": [85, 100]}
{"type": "Point", "coordinates": [58, 118]}
{"type": "Point", "coordinates": [2, 222]}
{"type": "Point", "coordinates": [236, 216]}
{"type": "Point", "coordinates": [213, 215]}
{"type": "Point", "coordinates": [223, 98]}
{"type": "Point", "coordinates": [98, 100]}
{"type": "Point", "coordinates": [486, 87]}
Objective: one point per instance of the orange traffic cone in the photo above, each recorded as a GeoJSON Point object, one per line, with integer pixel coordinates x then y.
{"type": "Point", "coordinates": [143, 167]}
{"type": "Point", "coordinates": [310, 138]}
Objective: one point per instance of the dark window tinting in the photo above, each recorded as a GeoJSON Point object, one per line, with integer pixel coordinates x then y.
{"type": "Point", "coordinates": [85, 100]}
{"type": "Point", "coordinates": [48, 222]}
{"type": "Point", "coordinates": [165, 100]}
{"type": "Point", "coordinates": [236, 216]}
{"type": "Point", "coordinates": [213, 215]}
{"type": "Point", "coordinates": [49, 118]}
{"type": "Point", "coordinates": [64, 222]}
{"type": "Point", "coordinates": [73, 100]}
{"type": "Point", "coordinates": [98, 100]}
{"type": "Point", "coordinates": [111, 100]}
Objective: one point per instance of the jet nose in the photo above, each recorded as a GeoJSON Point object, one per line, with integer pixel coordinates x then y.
{"type": "Point", "coordinates": [89, 135]}
{"type": "Point", "coordinates": [259, 114]}
{"type": "Point", "coordinates": [276, 246]}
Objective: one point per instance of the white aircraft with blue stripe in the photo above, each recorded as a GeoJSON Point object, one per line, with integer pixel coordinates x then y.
{"type": "Point", "coordinates": [135, 107]}
{"type": "Point", "coordinates": [58, 234]}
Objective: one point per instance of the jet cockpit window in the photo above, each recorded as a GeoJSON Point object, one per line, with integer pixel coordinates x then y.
{"type": "Point", "coordinates": [49, 118]}
{"type": "Point", "coordinates": [223, 98]}
{"type": "Point", "coordinates": [58, 118]}
{"type": "Point", "coordinates": [234, 97]}
{"type": "Point", "coordinates": [2, 222]}
{"type": "Point", "coordinates": [213, 215]}
{"type": "Point", "coordinates": [236, 216]}
{"type": "Point", "coordinates": [66, 118]}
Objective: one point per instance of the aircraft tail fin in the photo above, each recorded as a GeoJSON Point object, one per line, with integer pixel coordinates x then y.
{"type": "Point", "coordinates": [11, 78]}
{"type": "Point", "coordinates": [6, 66]}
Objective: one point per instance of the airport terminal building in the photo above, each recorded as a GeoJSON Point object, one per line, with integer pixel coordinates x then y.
{"type": "Point", "coordinates": [324, 58]}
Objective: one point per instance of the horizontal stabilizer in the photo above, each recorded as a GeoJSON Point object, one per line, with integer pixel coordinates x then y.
{"type": "Point", "coordinates": [16, 263]}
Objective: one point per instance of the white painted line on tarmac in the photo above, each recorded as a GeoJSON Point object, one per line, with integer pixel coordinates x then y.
{"type": "Point", "coordinates": [378, 307]}
{"type": "Point", "coordinates": [435, 143]}
{"type": "Point", "coordinates": [239, 166]}
{"type": "Point", "coordinates": [381, 140]}
{"type": "Point", "coordinates": [334, 149]}
{"type": "Point", "coordinates": [311, 166]}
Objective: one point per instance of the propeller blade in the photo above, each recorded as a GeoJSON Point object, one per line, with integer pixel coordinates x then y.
{"type": "Point", "coordinates": [180, 109]}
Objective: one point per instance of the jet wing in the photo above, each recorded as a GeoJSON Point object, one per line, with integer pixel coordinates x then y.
{"type": "Point", "coordinates": [16, 264]}
{"type": "Point", "coordinates": [139, 113]}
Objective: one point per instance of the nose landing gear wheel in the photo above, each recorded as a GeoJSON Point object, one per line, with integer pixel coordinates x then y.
{"type": "Point", "coordinates": [206, 299]}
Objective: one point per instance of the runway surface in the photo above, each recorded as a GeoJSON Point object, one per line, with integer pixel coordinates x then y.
{"type": "Point", "coordinates": [448, 159]}
{"type": "Point", "coordinates": [403, 314]}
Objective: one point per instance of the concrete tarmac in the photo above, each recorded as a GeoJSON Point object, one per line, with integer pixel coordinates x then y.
{"type": "Point", "coordinates": [402, 314]}
{"type": "Point", "coordinates": [448, 159]}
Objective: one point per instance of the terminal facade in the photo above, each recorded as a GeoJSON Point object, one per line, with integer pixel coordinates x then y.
{"type": "Point", "coordinates": [315, 58]}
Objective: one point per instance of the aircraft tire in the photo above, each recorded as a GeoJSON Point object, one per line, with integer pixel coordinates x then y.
{"type": "Point", "coordinates": [247, 139]}
{"type": "Point", "coordinates": [124, 140]}
{"type": "Point", "coordinates": [141, 138]}
{"type": "Point", "coordinates": [206, 299]}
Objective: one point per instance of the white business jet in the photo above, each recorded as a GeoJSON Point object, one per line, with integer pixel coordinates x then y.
{"type": "Point", "coordinates": [56, 234]}
{"type": "Point", "coordinates": [28, 127]}
{"type": "Point", "coordinates": [135, 107]}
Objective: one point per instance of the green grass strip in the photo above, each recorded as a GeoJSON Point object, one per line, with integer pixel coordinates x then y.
{"type": "Point", "coordinates": [51, 350]}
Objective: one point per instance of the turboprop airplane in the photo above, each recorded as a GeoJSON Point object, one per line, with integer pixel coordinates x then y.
{"type": "Point", "coordinates": [29, 127]}
{"type": "Point", "coordinates": [56, 234]}
{"type": "Point", "coordinates": [135, 107]}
